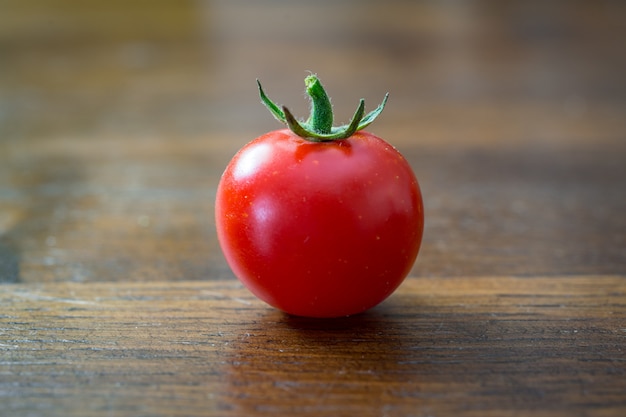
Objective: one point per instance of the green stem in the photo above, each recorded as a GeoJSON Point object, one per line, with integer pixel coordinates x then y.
{"type": "Point", "coordinates": [321, 118]}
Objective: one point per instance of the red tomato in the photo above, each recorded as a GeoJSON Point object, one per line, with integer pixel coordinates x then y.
{"type": "Point", "coordinates": [319, 229]}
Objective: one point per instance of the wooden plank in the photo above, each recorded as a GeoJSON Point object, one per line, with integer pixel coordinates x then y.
{"type": "Point", "coordinates": [499, 346]}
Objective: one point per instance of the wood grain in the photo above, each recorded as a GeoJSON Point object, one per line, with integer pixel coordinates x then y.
{"type": "Point", "coordinates": [486, 346]}
{"type": "Point", "coordinates": [117, 119]}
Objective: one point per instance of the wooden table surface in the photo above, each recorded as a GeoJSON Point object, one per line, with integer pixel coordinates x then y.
{"type": "Point", "coordinates": [117, 119]}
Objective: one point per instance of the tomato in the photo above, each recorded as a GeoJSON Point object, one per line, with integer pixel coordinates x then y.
{"type": "Point", "coordinates": [319, 228]}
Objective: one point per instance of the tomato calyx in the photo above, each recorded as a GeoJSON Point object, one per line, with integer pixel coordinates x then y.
{"type": "Point", "coordinates": [319, 126]}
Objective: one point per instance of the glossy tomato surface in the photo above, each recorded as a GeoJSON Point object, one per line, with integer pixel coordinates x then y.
{"type": "Point", "coordinates": [319, 229]}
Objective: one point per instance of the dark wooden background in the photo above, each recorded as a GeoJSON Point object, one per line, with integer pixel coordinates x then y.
{"type": "Point", "coordinates": [118, 117]}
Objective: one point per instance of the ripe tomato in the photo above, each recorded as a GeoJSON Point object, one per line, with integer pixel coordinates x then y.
{"type": "Point", "coordinates": [319, 228]}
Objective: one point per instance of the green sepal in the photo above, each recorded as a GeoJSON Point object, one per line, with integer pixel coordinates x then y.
{"type": "Point", "coordinates": [273, 108]}
{"type": "Point", "coordinates": [371, 116]}
{"type": "Point", "coordinates": [336, 133]}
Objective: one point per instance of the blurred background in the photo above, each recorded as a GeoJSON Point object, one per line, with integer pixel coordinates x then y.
{"type": "Point", "coordinates": [118, 117]}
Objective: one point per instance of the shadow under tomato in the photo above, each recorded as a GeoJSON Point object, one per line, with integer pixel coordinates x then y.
{"type": "Point", "coordinates": [366, 319]}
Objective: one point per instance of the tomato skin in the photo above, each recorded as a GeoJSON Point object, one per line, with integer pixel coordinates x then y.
{"type": "Point", "coordinates": [319, 229]}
